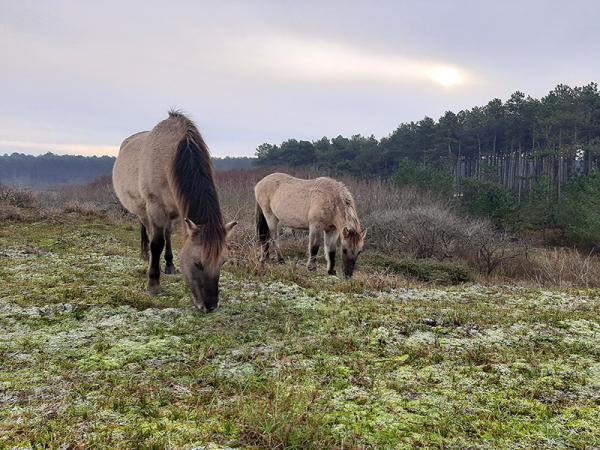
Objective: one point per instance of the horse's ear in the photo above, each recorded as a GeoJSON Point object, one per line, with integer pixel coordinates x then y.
{"type": "Point", "coordinates": [363, 234]}
{"type": "Point", "coordinates": [346, 232]}
{"type": "Point", "coordinates": [190, 226]}
{"type": "Point", "coordinates": [229, 226]}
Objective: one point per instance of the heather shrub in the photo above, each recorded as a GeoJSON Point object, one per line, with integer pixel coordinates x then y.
{"type": "Point", "coordinates": [85, 209]}
{"type": "Point", "coordinates": [11, 213]}
{"type": "Point", "coordinates": [18, 197]}
{"type": "Point", "coordinates": [442, 272]}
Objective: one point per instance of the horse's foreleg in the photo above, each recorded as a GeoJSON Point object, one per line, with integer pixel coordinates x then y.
{"type": "Point", "coordinates": [314, 242]}
{"type": "Point", "coordinates": [157, 243]}
{"type": "Point", "coordinates": [331, 241]}
{"type": "Point", "coordinates": [169, 266]}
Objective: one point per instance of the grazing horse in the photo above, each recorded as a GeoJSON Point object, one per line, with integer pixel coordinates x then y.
{"type": "Point", "coordinates": [164, 175]}
{"type": "Point", "coordinates": [322, 206]}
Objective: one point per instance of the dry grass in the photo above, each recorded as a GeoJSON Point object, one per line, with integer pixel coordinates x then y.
{"type": "Point", "coordinates": [564, 267]}
{"type": "Point", "coordinates": [85, 209]}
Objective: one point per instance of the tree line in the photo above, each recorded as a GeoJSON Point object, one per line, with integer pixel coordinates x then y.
{"type": "Point", "coordinates": [50, 169]}
{"type": "Point", "coordinates": [563, 124]}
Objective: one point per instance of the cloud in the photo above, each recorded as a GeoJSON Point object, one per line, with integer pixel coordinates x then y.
{"type": "Point", "coordinates": [305, 59]}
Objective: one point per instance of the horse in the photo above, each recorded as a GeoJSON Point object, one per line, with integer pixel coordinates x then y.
{"type": "Point", "coordinates": [166, 175]}
{"type": "Point", "coordinates": [323, 206]}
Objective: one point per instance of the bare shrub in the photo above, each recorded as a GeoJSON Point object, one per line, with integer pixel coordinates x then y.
{"type": "Point", "coordinates": [424, 231]}
{"type": "Point", "coordinates": [422, 226]}
{"type": "Point", "coordinates": [491, 250]}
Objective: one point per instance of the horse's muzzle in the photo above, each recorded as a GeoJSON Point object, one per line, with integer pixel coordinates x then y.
{"type": "Point", "coordinates": [349, 269]}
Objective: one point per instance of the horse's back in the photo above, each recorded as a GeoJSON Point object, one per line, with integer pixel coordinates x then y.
{"type": "Point", "coordinates": [270, 183]}
{"type": "Point", "coordinates": [274, 184]}
{"type": "Point", "coordinates": [287, 197]}
{"type": "Point", "coordinates": [126, 171]}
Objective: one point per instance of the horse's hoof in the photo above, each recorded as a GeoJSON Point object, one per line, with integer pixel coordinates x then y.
{"type": "Point", "coordinates": [154, 290]}
{"type": "Point", "coordinates": [332, 272]}
{"type": "Point", "coordinates": [312, 268]}
{"type": "Point", "coordinates": [170, 270]}
{"type": "Point", "coordinates": [280, 261]}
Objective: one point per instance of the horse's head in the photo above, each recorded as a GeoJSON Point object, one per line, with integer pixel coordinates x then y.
{"type": "Point", "coordinates": [201, 269]}
{"type": "Point", "coordinates": [352, 245]}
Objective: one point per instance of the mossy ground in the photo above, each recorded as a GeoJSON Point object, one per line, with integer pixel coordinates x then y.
{"type": "Point", "coordinates": [88, 359]}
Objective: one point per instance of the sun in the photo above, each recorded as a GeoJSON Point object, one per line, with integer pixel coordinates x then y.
{"type": "Point", "coordinates": [445, 75]}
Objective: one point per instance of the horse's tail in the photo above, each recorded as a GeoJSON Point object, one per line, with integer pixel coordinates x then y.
{"type": "Point", "coordinates": [144, 243]}
{"type": "Point", "coordinates": [262, 228]}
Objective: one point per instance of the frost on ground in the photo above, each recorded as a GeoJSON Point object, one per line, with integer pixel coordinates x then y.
{"type": "Point", "coordinates": [88, 359]}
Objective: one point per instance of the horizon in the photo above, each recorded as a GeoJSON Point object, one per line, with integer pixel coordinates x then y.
{"type": "Point", "coordinates": [80, 79]}
{"type": "Point", "coordinates": [7, 154]}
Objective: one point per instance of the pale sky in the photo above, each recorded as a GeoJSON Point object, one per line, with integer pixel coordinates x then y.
{"type": "Point", "coordinates": [77, 77]}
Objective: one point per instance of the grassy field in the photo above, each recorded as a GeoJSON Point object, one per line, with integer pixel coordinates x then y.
{"type": "Point", "coordinates": [290, 360]}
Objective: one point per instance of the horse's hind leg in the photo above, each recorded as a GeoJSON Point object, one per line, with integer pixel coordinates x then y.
{"type": "Point", "coordinates": [169, 266]}
{"type": "Point", "coordinates": [314, 242]}
{"type": "Point", "coordinates": [144, 242]}
{"type": "Point", "coordinates": [331, 241]}
{"type": "Point", "coordinates": [274, 229]}
{"type": "Point", "coordinates": [276, 242]}
{"type": "Point", "coordinates": [264, 251]}
{"type": "Point", "coordinates": [157, 243]}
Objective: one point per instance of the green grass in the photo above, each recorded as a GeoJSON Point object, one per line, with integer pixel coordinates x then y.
{"type": "Point", "coordinates": [87, 359]}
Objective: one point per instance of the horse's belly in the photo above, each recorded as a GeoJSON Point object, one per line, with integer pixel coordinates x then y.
{"type": "Point", "coordinates": [291, 217]}
{"type": "Point", "coordinates": [295, 223]}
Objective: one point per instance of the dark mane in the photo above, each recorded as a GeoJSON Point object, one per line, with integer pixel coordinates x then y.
{"type": "Point", "coordinates": [192, 175]}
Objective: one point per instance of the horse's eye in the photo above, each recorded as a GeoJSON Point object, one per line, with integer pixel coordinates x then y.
{"type": "Point", "coordinates": [199, 266]}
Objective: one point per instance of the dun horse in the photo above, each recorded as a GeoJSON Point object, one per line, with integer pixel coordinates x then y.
{"type": "Point", "coordinates": [166, 174]}
{"type": "Point", "coordinates": [323, 206]}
